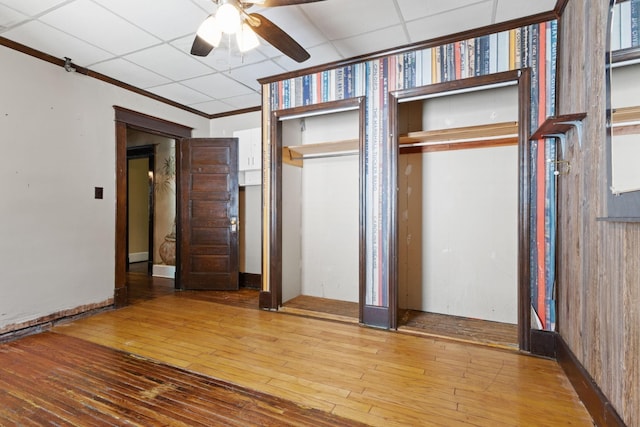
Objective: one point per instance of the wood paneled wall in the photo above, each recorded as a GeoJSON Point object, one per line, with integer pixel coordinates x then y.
{"type": "Point", "coordinates": [598, 261]}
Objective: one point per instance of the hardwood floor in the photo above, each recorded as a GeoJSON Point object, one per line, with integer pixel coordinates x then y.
{"type": "Point", "coordinates": [53, 379]}
{"type": "Point", "coordinates": [464, 329]}
{"type": "Point", "coordinates": [189, 357]}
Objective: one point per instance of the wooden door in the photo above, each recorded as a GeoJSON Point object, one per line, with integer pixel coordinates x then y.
{"type": "Point", "coordinates": [207, 214]}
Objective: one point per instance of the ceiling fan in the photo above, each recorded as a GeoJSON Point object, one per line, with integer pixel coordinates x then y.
{"type": "Point", "coordinates": [232, 18]}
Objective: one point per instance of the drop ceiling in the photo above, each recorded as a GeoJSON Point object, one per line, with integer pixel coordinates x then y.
{"type": "Point", "coordinates": [146, 43]}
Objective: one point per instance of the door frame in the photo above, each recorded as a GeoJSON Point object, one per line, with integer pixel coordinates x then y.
{"type": "Point", "coordinates": [523, 80]}
{"type": "Point", "coordinates": [143, 152]}
{"type": "Point", "coordinates": [271, 294]}
{"type": "Point", "coordinates": [129, 119]}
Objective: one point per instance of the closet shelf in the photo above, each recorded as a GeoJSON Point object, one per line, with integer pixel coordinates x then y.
{"type": "Point", "coordinates": [626, 120]}
{"type": "Point", "coordinates": [441, 139]}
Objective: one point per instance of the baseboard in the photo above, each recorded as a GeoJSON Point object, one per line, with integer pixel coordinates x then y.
{"type": "Point", "coordinates": [161, 270]}
{"type": "Point", "coordinates": [376, 316]}
{"type": "Point", "coordinates": [543, 343]}
{"type": "Point", "coordinates": [251, 280]}
{"type": "Point", "coordinates": [598, 405]}
{"type": "Point", "coordinates": [139, 257]}
{"type": "Point", "coordinates": [19, 330]}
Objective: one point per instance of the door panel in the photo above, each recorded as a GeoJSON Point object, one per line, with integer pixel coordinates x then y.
{"type": "Point", "coordinates": [208, 214]}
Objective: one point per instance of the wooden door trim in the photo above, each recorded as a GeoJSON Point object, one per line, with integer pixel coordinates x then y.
{"type": "Point", "coordinates": [124, 119]}
{"type": "Point", "coordinates": [522, 78]}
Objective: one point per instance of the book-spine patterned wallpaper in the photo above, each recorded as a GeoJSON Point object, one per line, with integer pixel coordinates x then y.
{"type": "Point", "coordinates": [532, 46]}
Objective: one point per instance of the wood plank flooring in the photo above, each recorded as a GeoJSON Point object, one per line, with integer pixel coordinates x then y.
{"type": "Point", "coordinates": [376, 377]}
{"type": "Point", "coordinates": [53, 379]}
{"type": "Point", "coordinates": [411, 321]}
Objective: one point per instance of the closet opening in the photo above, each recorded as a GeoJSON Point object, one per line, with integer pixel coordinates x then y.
{"type": "Point", "coordinates": [459, 214]}
{"type": "Point", "coordinates": [320, 208]}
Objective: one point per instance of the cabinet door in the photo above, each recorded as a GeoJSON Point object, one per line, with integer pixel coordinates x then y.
{"type": "Point", "coordinates": [244, 148]}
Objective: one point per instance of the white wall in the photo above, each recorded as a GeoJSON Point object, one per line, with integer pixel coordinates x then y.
{"type": "Point", "coordinates": [251, 217]}
{"type": "Point", "coordinates": [625, 149]}
{"type": "Point", "coordinates": [57, 250]}
{"type": "Point", "coordinates": [328, 204]}
{"type": "Point", "coordinates": [458, 216]}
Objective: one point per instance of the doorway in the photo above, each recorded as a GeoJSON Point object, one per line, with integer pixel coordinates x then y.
{"type": "Point", "coordinates": [459, 209]}
{"type": "Point", "coordinates": [140, 209]}
{"type": "Point", "coordinates": [127, 121]}
{"type": "Point", "coordinates": [316, 245]}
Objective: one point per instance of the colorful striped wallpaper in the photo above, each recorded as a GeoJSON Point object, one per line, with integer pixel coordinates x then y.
{"type": "Point", "coordinates": [532, 46]}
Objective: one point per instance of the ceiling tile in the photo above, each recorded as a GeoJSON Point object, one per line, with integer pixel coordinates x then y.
{"type": "Point", "coordinates": [56, 43]}
{"type": "Point", "coordinates": [167, 19]}
{"type": "Point", "coordinates": [168, 61]}
{"type": "Point", "coordinates": [217, 86]}
{"type": "Point", "coordinates": [130, 73]}
{"type": "Point", "coordinates": [508, 9]}
{"type": "Point", "coordinates": [379, 40]}
{"type": "Point", "coordinates": [10, 17]}
{"type": "Point", "coordinates": [90, 22]}
{"type": "Point", "coordinates": [179, 93]}
{"type": "Point", "coordinates": [319, 55]}
{"type": "Point", "coordinates": [478, 15]}
{"type": "Point", "coordinates": [249, 75]}
{"type": "Point", "coordinates": [244, 101]}
{"type": "Point", "coordinates": [412, 9]}
{"type": "Point", "coordinates": [31, 7]}
{"type": "Point", "coordinates": [212, 107]}
{"type": "Point", "coordinates": [352, 17]}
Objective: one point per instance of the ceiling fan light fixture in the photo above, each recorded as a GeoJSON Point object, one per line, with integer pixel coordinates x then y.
{"type": "Point", "coordinates": [246, 39]}
{"type": "Point", "coordinates": [210, 31]}
{"type": "Point", "coordinates": [228, 17]}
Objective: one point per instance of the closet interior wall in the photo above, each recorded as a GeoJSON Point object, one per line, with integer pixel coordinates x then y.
{"type": "Point", "coordinates": [458, 211]}
{"type": "Point", "coordinates": [320, 211]}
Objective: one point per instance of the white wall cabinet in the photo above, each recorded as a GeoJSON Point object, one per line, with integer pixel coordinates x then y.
{"type": "Point", "coordinates": [249, 156]}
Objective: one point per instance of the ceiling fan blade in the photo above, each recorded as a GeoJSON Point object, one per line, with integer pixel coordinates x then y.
{"type": "Point", "coordinates": [277, 37]}
{"type": "Point", "coordinates": [275, 3]}
{"type": "Point", "coordinates": [200, 47]}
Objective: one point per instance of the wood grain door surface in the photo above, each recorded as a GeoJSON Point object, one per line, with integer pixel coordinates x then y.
{"type": "Point", "coordinates": [207, 214]}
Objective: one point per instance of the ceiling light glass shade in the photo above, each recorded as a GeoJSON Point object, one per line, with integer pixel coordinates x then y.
{"type": "Point", "coordinates": [210, 31]}
{"type": "Point", "coordinates": [247, 39]}
{"type": "Point", "coordinates": [228, 18]}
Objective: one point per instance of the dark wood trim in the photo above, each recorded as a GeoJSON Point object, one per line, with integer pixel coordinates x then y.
{"type": "Point", "coordinates": [275, 202]}
{"type": "Point", "coordinates": [265, 301]}
{"type": "Point", "coordinates": [98, 76]}
{"type": "Point", "coordinates": [19, 330]}
{"type": "Point", "coordinates": [598, 405]}
{"type": "Point", "coordinates": [250, 280]}
{"type": "Point", "coordinates": [127, 118]}
{"type": "Point", "coordinates": [439, 41]}
{"type": "Point", "coordinates": [543, 343]}
{"type": "Point", "coordinates": [375, 316]}
{"type": "Point", "coordinates": [524, 211]}
{"type": "Point", "coordinates": [150, 124]}
{"type": "Point", "coordinates": [235, 112]}
{"type": "Point", "coordinates": [120, 293]}
{"type": "Point", "coordinates": [394, 152]}
{"type": "Point", "coordinates": [625, 54]}
{"type": "Point", "coordinates": [560, 6]}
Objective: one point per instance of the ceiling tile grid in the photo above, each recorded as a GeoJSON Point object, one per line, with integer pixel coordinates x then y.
{"type": "Point", "coordinates": [147, 43]}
